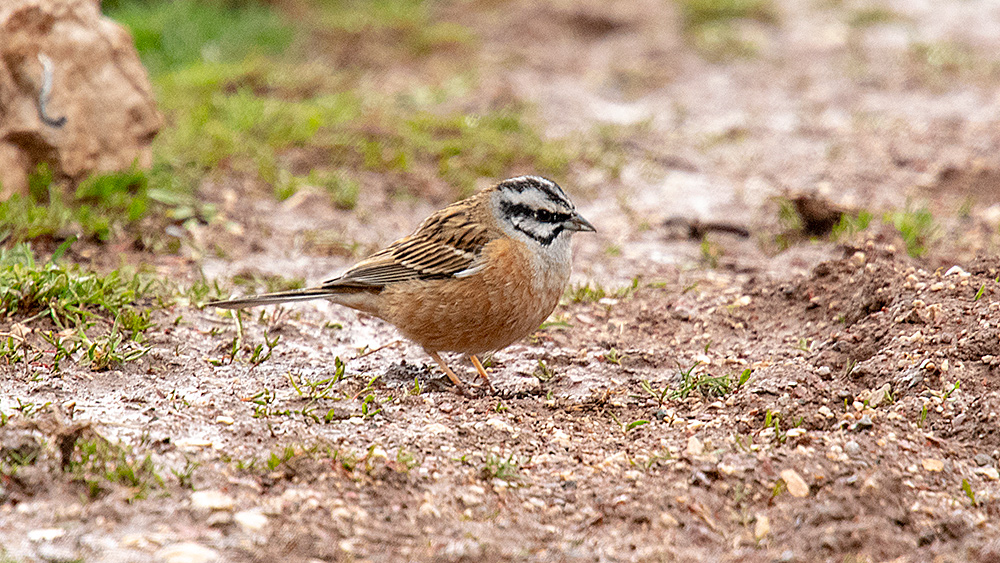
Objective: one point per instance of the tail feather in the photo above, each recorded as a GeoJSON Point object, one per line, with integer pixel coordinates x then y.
{"type": "Point", "coordinates": [277, 297]}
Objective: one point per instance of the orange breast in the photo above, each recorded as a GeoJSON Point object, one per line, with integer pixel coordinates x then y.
{"type": "Point", "coordinates": [486, 311]}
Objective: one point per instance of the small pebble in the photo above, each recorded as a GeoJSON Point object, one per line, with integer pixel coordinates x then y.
{"type": "Point", "coordinates": [762, 527]}
{"type": "Point", "coordinates": [852, 448]}
{"type": "Point", "coordinates": [187, 552]}
{"type": "Point", "coordinates": [250, 520]}
{"type": "Point", "coordinates": [55, 553]}
{"type": "Point", "coordinates": [797, 486]}
{"type": "Point", "coordinates": [931, 464]}
{"type": "Point", "coordinates": [990, 473]}
{"type": "Point", "coordinates": [864, 424]}
{"type": "Point", "coordinates": [695, 447]}
{"type": "Point", "coordinates": [983, 460]}
{"type": "Point", "coordinates": [211, 500]}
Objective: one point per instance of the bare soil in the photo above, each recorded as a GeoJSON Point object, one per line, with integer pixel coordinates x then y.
{"type": "Point", "coordinates": [868, 427]}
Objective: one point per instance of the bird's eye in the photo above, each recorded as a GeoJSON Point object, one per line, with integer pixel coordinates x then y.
{"type": "Point", "coordinates": [543, 215]}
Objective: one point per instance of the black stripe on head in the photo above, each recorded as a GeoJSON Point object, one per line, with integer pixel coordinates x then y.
{"type": "Point", "coordinates": [543, 185]}
{"type": "Point", "coordinates": [543, 229]}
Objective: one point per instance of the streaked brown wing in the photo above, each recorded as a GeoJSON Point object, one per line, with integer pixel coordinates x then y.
{"type": "Point", "coordinates": [448, 243]}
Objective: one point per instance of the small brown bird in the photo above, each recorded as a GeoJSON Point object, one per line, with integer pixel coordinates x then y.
{"type": "Point", "coordinates": [475, 277]}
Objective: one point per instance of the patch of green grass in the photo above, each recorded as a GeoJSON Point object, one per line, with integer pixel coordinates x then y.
{"type": "Point", "coordinates": [100, 206]}
{"type": "Point", "coordinates": [710, 25]}
{"type": "Point", "coordinates": [613, 356]}
{"type": "Point", "coordinates": [500, 467]}
{"type": "Point", "coordinates": [851, 224]}
{"type": "Point", "coordinates": [101, 465]}
{"type": "Point", "coordinates": [917, 227]}
{"type": "Point", "coordinates": [377, 34]}
{"type": "Point", "coordinates": [98, 319]}
{"type": "Point", "coordinates": [706, 384]}
{"type": "Point", "coordinates": [711, 252]}
{"type": "Point", "coordinates": [174, 34]}
{"type": "Point", "coordinates": [66, 295]}
{"type": "Point", "coordinates": [244, 118]}
{"type": "Point", "coordinates": [592, 293]}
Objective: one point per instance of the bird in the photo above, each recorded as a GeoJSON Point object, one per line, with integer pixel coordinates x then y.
{"type": "Point", "coordinates": [474, 277]}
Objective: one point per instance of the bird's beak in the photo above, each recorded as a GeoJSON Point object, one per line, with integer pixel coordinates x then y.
{"type": "Point", "coordinates": [578, 223]}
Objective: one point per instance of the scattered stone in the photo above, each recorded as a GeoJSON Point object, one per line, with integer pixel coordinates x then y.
{"type": "Point", "coordinates": [58, 553]}
{"type": "Point", "coordinates": [876, 397]}
{"type": "Point", "coordinates": [695, 447]}
{"type": "Point", "coordinates": [500, 424]}
{"type": "Point", "coordinates": [864, 424]}
{"type": "Point", "coordinates": [211, 500]}
{"type": "Point", "coordinates": [797, 486]}
{"type": "Point", "coordinates": [45, 534]}
{"type": "Point", "coordinates": [561, 438]}
{"type": "Point", "coordinates": [226, 420]}
{"type": "Point", "coordinates": [250, 520]}
{"type": "Point", "coordinates": [931, 464]}
{"type": "Point", "coordinates": [437, 428]}
{"type": "Point", "coordinates": [471, 496]}
{"type": "Point", "coordinates": [852, 448]}
{"type": "Point", "coordinates": [982, 460]}
{"type": "Point", "coordinates": [192, 443]}
{"type": "Point", "coordinates": [668, 520]}
{"type": "Point", "coordinates": [187, 552]}
{"type": "Point", "coordinates": [823, 371]}
{"type": "Point", "coordinates": [762, 527]}
{"type": "Point", "coordinates": [826, 412]}
{"type": "Point", "coordinates": [990, 473]}
{"type": "Point", "coordinates": [462, 549]}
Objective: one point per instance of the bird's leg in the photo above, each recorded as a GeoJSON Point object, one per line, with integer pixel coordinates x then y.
{"type": "Point", "coordinates": [447, 370]}
{"type": "Point", "coordinates": [481, 370]}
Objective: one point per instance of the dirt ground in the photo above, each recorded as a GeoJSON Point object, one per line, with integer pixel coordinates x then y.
{"type": "Point", "coordinates": [867, 429]}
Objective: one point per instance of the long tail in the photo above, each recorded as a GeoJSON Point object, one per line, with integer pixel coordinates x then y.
{"type": "Point", "coordinates": [280, 297]}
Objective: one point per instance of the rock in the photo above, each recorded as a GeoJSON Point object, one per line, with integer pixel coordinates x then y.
{"type": "Point", "coordinates": [211, 500]}
{"type": "Point", "coordinates": [187, 552]}
{"type": "Point", "coordinates": [45, 534]}
{"type": "Point", "coordinates": [982, 460]}
{"type": "Point", "coordinates": [852, 448]}
{"type": "Point", "coordinates": [668, 520]}
{"type": "Point", "coordinates": [797, 486]}
{"type": "Point", "coordinates": [250, 520]}
{"type": "Point", "coordinates": [695, 447]}
{"type": "Point", "coordinates": [762, 527]}
{"type": "Point", "coordinates": [55, 553]}
{"type": "Point", "coordinates": [931, 464]}
{"type": "Point", "coordinates": [437, 428]}
{"type": "Point", "coordinates": [990, 473]}
{"type": "Point", "coordinates": [99, 115]}
{"type": "Point", "coordinates": [876, 397]}
{"type": "Point", "coordinates": [864, 424]}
